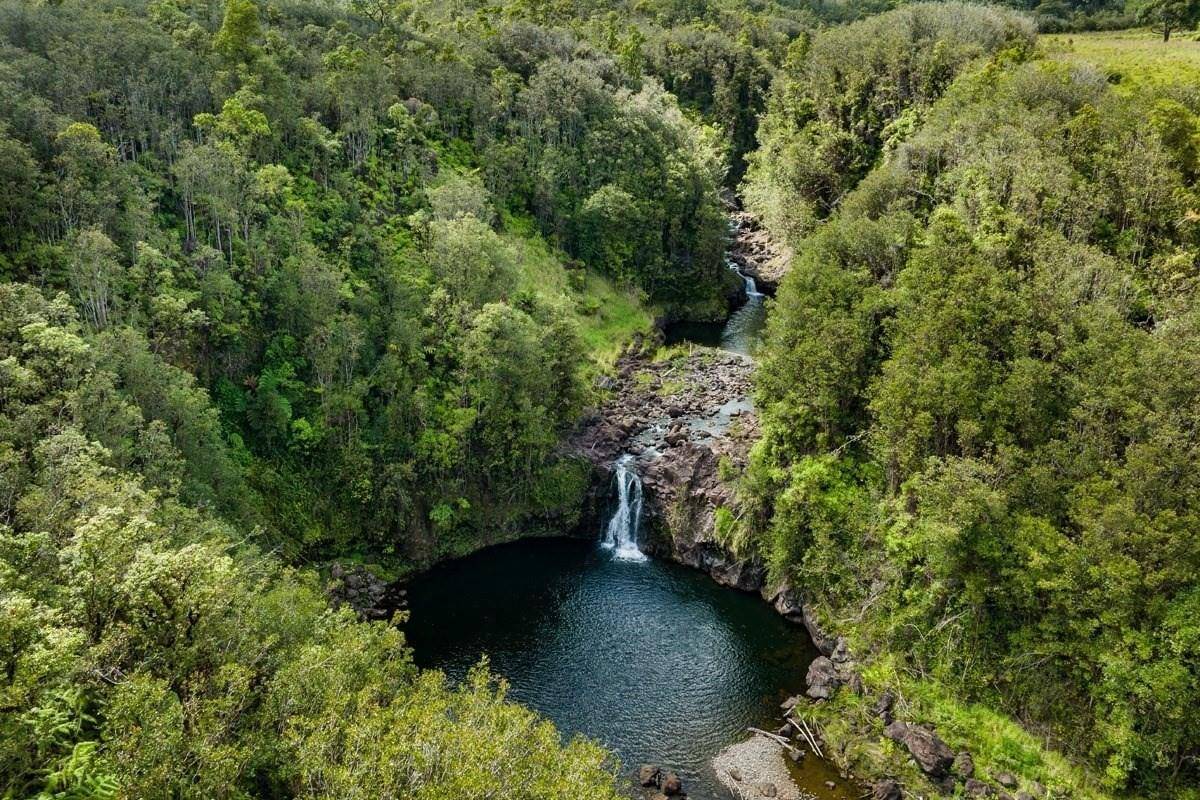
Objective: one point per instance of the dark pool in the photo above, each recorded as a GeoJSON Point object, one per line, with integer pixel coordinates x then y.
{"type": "Point", "coordinates": [654, 660]}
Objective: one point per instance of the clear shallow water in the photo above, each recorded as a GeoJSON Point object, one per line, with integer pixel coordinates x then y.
{"type": "Point", "coordinates": [654, 660]}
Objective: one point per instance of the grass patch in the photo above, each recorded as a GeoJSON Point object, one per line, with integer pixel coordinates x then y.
{"type": "Point", "coordinates": [608, 315]}
{"type": "Point", "coordinates": [1133, 60]}
{"type": "Point", "coordinates": [996, 742]}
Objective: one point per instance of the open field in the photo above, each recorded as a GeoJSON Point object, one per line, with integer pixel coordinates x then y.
{"type": "Point", "coordinates": [1131, 58]}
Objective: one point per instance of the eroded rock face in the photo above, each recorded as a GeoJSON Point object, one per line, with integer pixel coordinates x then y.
{"type": "Point", "coordinates": [681, 419]}
{"type": "Point", "coordinates": [371, 597]}
{"type": "Point", "coordinates": [931, 753]}
{"type": "Point", "coordinates": [756, 253]}
{"type": "Point", "coordinates": [822, 679]}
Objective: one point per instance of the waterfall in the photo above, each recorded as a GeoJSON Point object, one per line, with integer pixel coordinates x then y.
{"type": "Point", "coordinates": [748, 283]}
{"type": "Point", "coordinates": [621, 533]}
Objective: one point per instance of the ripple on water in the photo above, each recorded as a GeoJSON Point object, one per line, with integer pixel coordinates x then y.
{"type": "Point", "coordinates": [654, 660]}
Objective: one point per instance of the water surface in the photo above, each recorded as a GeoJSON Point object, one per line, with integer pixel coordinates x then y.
{"type": "Point", "coordinates": [654, 660]}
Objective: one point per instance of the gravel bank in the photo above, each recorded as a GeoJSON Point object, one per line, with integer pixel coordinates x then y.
{"type": "Point", "coordinates": [756, 769]}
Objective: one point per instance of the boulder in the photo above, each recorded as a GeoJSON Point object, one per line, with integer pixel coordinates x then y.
{"type": "Point", "coordinates": [649, 775]}
{"type": "Point", "coordinates": [885, 789]}
{"type": "Point", "coordinates": [964, 765]}
{"type": "Point", "coordinates": [931, 753]}
{"type": "Point", "coordinates": [1006, 779]}
{"type": "Point", "coordinates": [841, 651]}
{"type": "Point", "coordinates": [671, 785]}
{"type": "Point", "coordinates": [822, 679]}
{"type": "Point", "coordinates": [977, 788]}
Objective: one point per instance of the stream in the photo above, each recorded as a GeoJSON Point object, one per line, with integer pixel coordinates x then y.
{"type": "Point", "coordinates": [656, 661]}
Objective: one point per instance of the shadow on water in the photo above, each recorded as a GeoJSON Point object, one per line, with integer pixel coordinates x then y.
{"type": "Point", "coordinates": [654, 660]}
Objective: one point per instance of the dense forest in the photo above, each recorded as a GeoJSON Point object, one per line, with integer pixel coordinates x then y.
{"type": "Point", "coordinates": [287, 281]}
{"type": "Point", "coordinates": [980, 381]}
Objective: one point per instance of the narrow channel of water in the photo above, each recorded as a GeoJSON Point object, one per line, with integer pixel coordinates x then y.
{"type": "Point", "coordinates": [740, 333]}
{"type": "Point", "coordinates": [654, 660]}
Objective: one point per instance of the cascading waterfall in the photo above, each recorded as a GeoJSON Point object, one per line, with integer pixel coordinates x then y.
{"type": "Point", "coordinates": [621, 533]}
{"type": "Point", "coordinates": [751, 286]}
{"type": "Point", "coordinates": [744, 326]}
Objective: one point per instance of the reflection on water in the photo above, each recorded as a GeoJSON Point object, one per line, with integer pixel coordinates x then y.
{"type": "Point", "coordinates": [654, 660]}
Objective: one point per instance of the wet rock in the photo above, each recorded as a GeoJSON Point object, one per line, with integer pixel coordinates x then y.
{"type": "Point", "coordinates": [648, 775]}
{"type": "Point", "coordinates": [931, 753]}
{"type": "Point", "coordinates": [1006, 779]}
{"type": "Point", "coordinates": [977, 788]}
{"type": "Point", "coordinates": [671, 785]}
{"type": "Point", "coordinates": [822, 679]}
{"type": "Point", "coordinates": [885, 789]}
{"type": "Point", "coordinates": [964, 765]}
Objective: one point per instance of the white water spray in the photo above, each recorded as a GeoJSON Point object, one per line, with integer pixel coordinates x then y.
{"type": "Point", "coordinates": [621, 533]}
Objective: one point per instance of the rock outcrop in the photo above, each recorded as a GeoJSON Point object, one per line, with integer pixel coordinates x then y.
{"type": "Point", "coordinates": [756, 253]}
{"type": "Point", "coordinates": [930, 752]}
{"type": "Point", "coordinates": [371, 597]}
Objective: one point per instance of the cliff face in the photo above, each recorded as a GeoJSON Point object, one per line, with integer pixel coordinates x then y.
{"type": "Point", "coordinates": [680, 419]}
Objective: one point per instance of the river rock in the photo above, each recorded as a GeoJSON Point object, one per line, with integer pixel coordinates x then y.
{"type": "Point", "coordinates": [964, 765]}
{"type": "Point", "coordinates": [671, 785]}
{"type": "Point", "coordinates": [648, 775]}
{"type": "Point", "coordinates": [767, 789]}
{"type": "Point", "coordinates": [822, 679]}
{"type": "Point", "coordinates": [931, 753]}
{"type": "Point", "coordinates": [885, 789]}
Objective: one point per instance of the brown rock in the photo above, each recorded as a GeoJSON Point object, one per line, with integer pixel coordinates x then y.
{"type": "Point", "coordinates": [648, 775]}
{"type": "Point", "coordinates": [671, 785]}
{"type": "Point", "coordinates": [931, 753]}
{"type": "Point", "coordinates": [977, 788]}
